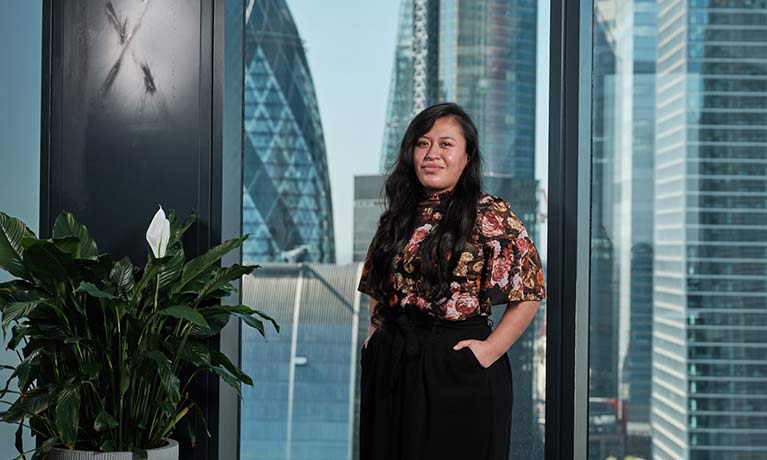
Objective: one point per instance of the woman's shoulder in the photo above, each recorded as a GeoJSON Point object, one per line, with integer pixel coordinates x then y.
{"type": "Point", "coordinates": [496, 218]}
{"type": "Point", "coordinates": [489, 203]}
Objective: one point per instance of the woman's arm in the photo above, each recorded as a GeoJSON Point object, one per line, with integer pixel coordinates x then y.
{"type": "Point", "coordinates": [371, 328]}
{"type": "Point", "coordinates": [514, 322]}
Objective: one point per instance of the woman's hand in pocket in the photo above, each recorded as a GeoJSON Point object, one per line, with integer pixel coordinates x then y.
{"type": "Point", "coordinates": [484, 351]}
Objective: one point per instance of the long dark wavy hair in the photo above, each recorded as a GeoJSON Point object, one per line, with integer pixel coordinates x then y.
{"type": "Point", "coordinates": [403, 193]}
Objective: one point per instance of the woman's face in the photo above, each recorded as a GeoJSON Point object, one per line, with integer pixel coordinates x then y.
{"type": "Point", "coordinates": [440, 155]}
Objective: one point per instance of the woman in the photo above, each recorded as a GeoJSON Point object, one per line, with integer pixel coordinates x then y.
{"type": "Point", "coordinates": [436, 381]}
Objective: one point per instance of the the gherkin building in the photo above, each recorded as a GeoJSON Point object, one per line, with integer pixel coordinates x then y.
{"type": "Point", "coordinates": [287, 206]}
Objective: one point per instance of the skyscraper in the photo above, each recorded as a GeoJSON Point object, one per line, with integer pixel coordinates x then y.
{"type": "Point", "coordinates": [710, 260]}
{"type": "Point", "coordinates": [286, 187]}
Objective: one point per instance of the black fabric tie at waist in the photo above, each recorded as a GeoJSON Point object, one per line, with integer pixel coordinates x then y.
{"type": "Point", "coordinates": [404, 325]}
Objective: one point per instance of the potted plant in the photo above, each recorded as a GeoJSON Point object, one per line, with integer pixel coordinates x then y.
{"type": "Point", "coordinates": [107, 350]}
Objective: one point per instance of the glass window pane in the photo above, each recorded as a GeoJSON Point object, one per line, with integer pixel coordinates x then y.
{"type": "Point", "coordinates": [21, 32]}
{"type": "Point", "coordinates": [678, 288]}
{"type": "Point", "coordinates": [329, 89]}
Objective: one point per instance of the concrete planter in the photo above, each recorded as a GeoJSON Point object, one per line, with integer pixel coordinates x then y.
{"type": "Point", "coordinates": [169, 452]}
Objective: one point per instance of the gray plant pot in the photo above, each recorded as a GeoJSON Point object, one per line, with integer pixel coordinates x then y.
{"type": "Point", "coordinates": [169, 452]}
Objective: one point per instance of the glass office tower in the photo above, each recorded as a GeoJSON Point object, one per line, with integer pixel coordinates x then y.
{"type": "Point", "coordinates": [710, 300]}
{"type": "Point", "coordinates": [287, 205]}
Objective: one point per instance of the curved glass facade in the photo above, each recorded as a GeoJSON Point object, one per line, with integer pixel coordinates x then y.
{"type": "Point", "coordinates": [287, 205]}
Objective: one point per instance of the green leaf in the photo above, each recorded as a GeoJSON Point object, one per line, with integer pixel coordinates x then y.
{"type": "Point", "coordinates": [67, 225]}
{"type": "Point", "coordinates": [125, 381]}
{"type": "Point", "coordinates": [216, 323]}
{"type": "Point", "coordinates": [230, 379]}
{"type": "Point", "coordinates": [17, 310]}
{"type": "Point", "coordinates": [90, 370]}
{"type": "Point", "coordinates": [34, 402]}
{"type": "Point", "coordinates": [12, 232]}
{"type": "Point", "coordinates": [199, 417]}
{"type": "Point", "coordinates": [108, 446]}
{"type": "Point", "coordinates": [178, 231]}
{"type": "Point", "coordinates": [69, 244]}
{"type": "Point", "coordinates": [222, 360]}
{"type": "Point", "coordinates": [268, 318]}
{"type": "Point", "coordinates": [168, 379]}
{"type": "Point", "coordinates": [98, 268]}
{"type": "Point", "coordinates": [243, 312]}
{"type": "Point", "coordinates": [202, 263]}
{"type": "Point", "coordinates": [19, 443]}
{"type": "Point", "coordinates": [122, 275]}
{"type": "Point", "coordinates": [18, 332]}
{"type": "Point", "coordinates": [170, 267]}
{"type": "Point", "coordinates": [104, 420]}
{"type": "Point", "coordinates": [27, 370]}
{"type": "Point", "coordinates": [224, 276]}
{"type": "Point", "coordinates": [185, 313]}
{"type": "Point", "coordinates": [18, 291]}
{"type": "Point", "coordinates": [194, 352]}
{"type": "Point", "coordinates": [47, 262]}
{"type": "Point", "coordinates": [47, 445]}
{"type": "Point", "coordinates": [94, 291]}
{"type": "Point", "coordinates": [68, 413]}
{"type": "Point", "coordinates": [167, 408]}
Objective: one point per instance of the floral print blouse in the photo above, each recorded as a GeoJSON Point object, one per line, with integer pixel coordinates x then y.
{"type": "Point", "coordinates": [500, 263]}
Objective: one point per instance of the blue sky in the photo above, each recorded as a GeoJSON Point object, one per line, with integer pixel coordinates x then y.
{"type": "Point", "coordinates": [350, 48]}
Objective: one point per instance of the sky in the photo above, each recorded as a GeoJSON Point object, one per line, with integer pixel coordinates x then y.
{"type": "Point", "coordinates": [350, 48]}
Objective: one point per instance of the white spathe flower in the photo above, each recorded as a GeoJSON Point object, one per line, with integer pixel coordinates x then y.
{"type": "Point", "coordinates": [158, 234]}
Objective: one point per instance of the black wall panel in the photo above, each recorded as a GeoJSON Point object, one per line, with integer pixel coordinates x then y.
{"type": "Point", "coordinates": [130, 94]}
{"type": "Point", "coordinates": [129, 119]}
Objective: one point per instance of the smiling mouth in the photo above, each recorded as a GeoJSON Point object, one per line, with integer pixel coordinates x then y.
{"type": "Point", "coordinates": [432, 168]}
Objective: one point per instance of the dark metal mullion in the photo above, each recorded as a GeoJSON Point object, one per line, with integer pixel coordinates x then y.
{"type": "Point", "coordinates": [50, 120]}
{"type": "Point", "coordinates": [569, 230]}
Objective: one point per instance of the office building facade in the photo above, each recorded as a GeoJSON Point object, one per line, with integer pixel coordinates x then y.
{"type": "Point", "coordinates": [709, 296]}
{"type": "Point", "coordinates": [304, 402]}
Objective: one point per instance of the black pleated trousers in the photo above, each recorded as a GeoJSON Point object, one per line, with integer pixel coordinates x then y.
{"type": "Point", "coordinates": [422, 400]}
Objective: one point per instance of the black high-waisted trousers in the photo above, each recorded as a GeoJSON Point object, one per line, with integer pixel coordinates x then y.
{"type": "Point", "coordinates": [422, 400]}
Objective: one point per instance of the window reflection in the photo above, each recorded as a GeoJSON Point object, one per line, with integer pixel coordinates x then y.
{"type": "Point", "coordinates": [678, 289]}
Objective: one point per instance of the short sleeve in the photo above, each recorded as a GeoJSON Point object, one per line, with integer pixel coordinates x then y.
{"type": "Point", "coordinates": [513, 270]}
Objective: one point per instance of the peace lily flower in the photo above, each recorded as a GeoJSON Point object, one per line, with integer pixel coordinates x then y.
{"type": "Point", "coordinates": [158, 233]}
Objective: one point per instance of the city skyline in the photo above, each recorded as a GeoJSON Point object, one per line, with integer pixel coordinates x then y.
{"type": "Point", "coordinates": [353, 98]}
